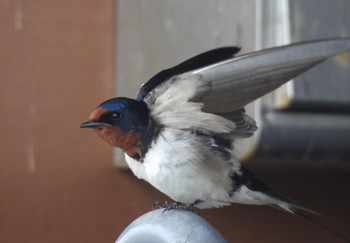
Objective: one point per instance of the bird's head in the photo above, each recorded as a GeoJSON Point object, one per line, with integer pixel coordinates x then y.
{"type": "Point", "coordinates": [121, 122]}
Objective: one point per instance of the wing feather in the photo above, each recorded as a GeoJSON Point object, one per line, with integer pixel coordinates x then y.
{"type": "Point", "coordinates": [245, 125]}
{"type": "Point", "coordinates": [199, 61]}
{"type": "Point", "coordinates": [232, 84]}
{"type": "Point", "coordinates": [222, 89]}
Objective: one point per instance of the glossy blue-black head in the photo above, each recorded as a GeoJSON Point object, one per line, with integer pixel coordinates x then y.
{"type": "Point", "coordinates": [123, 123]}
{"type": "Point", "coordinates": [124, 113]}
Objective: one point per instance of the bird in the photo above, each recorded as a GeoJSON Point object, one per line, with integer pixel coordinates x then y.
{"type": "Point", "coordinates": [181, 132]}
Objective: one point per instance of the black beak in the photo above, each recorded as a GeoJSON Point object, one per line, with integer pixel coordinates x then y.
{"type": "Point", "coordinates": [93, 124]}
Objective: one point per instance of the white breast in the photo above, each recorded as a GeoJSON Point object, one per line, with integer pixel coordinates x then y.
{"type": "Point", "coordinates": [185, 169]}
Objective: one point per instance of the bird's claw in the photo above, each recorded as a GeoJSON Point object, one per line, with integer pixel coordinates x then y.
{"type": "Point", "coordinates": [159, 205]}
{"type": "Point", "coordinates": [175, 205]}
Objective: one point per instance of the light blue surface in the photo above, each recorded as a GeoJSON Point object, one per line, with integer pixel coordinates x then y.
{"type": "Point", "coordinates": [170, 227]}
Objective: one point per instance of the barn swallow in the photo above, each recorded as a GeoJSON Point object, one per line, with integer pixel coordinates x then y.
{"type": "Point", "coordinates": [181, 132]}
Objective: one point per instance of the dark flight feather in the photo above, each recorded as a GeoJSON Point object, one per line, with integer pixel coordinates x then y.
{"type": "Point", "coordinates": [199, 61]}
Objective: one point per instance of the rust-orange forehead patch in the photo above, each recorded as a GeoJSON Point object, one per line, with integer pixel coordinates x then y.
{"type": "Point", "coordinates": [97, 113]}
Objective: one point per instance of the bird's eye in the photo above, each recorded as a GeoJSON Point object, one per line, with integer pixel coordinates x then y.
{"type": "Point", "coordinates": [116, 115]}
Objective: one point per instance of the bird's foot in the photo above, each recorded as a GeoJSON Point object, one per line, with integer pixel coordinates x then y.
{"type": "Point", "coordinates": [159, 205]}
{"type": "Point", "coordinates": [175, 205]}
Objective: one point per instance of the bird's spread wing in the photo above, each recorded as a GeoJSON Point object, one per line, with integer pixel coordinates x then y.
{"type": "Point", "coordinates": [232, 84]}
{"type": "Point", "coordinates": [225, 85]}
{"type": "Point", "coordinates": [221, 85]}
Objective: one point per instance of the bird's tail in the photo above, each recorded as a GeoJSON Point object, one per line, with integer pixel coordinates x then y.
{"type": "Point", "coordinates": [260, 190]}
{"type": "Point", "coordinates": [301, 211]}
